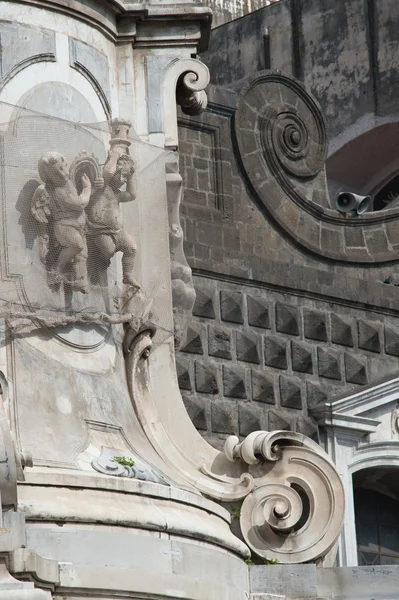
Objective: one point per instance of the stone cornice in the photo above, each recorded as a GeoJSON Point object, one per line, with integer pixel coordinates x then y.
{"type": "Point", "coordinates": [117, 20]}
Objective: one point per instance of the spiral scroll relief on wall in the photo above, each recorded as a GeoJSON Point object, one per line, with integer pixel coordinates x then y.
{"type": "Point", "coordinates": [280, 133]}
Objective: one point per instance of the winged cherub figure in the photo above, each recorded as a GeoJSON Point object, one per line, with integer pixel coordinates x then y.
{"type": "Point", "coordinates": [105, 218]}
{"type": "Point", "coordinates": [58, 202]}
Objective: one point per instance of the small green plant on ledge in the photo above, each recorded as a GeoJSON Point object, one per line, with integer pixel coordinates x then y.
{"type": "Point", "coordinates": [249, 561]}
{"type": "Point", "coordinates": [122, 460]}
{"type": "Point", "coordinates": [236, 513]}
{"type": "Point", "coordinates": [271, 561]}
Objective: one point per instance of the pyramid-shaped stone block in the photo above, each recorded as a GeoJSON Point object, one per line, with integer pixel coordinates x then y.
{"type": "Point", "coordinates": [301, 357]}
{"type": "Point", "coordinates": [247, 345]}
{"type": "Point", "coordinates": [224, 417]}
{"type": "Point", "coordinates": [287, 319]}
{"type": "Point", "coordinates": [231, 307]}
{"type": "Point", "coordinates": [275, 352]}
{"type": "Point", "coordinates": [234, 382]}
{"type": "Point", "coordinates": [196, 410]}
{"type": "Point", "coordinates": [183, 374]}
{"type": "Point", "coordinates": [290, 393]}
{"type": "Point", "coordinates": [248, 420]}
{"type": "Point", "coordinates": [205, 301]}
{"type": "Point", "coordinates": [355, 370]}
{"type": "Point", "coordinates": [219, 342]}
{"type": "Point", "coordinates": [314, 324]}
{"type": "Point", "coordinates": [277, 421]}
{"type": "Point", "coordinates": [341, 330]}
{"type": "Point", "coordinates": [315, 394]}
{"type": "Point", "coordinates": [392, 341]}
{"type": "Point", "coordinates": [369, 336]}
{"type": "Point", "coordinates": [193, 342]}
{"type": "Point", "coordinates": [206, 378]}
{"type": "Point", "coordinates": [262, 388]}
{"type": "Point", "coordinates": [258, 312]}
{"type": "Point", "coordinates": [329, 366]}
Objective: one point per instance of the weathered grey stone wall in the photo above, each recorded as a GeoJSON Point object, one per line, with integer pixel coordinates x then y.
{"type": "Point", "coordinates": [256, 358]}
{"type": "Point", "coordinates": [346, 53]}
{"type": "Point", "coordinates": [276, 329]}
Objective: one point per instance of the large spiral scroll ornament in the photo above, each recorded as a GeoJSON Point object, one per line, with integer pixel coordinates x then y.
{"type": "Point", "coordinates": [295, 512]}
{"type": "Point", "coordinates": [281, 139]}
{"type": "Point", "coordinates": [294, 138]}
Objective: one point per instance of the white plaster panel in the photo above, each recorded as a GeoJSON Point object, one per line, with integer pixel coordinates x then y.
{"type": "Point", "coordinates": [66, 26]}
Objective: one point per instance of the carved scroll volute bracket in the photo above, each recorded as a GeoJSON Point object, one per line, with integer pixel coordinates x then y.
{"type": "Point", "coordinates": [296, 508]}
{"type": "Point", "coordinates": [293, 498]}
{"type": "Point", "coordinates": [184, 83]}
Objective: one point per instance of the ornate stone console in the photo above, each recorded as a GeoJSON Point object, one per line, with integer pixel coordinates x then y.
{"type": "Point", "coordinates": [107, 489]}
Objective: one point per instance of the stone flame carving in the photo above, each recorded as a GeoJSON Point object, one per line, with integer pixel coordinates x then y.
{"type": "Point", "coordinates": [296, 509]}
{"type": "Point", "coordinates": [183, 292]}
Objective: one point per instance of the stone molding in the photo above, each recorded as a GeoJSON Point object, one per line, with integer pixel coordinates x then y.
{"type": "Point", "coordinates": [118, 20]}
{"type": "Point", "coordinates": [359, 431]}
{"type": "Point", "coordinates": [259, 471]}
{"type": "Point", "coordinates": [282, 142]}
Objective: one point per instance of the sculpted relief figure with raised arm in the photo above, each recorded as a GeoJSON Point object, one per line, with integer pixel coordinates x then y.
{"type": "Point", "coordinates": [69, 222]}
{"type": "Point", "coordinates": [60, 212]}
{"type": "Point", "coordinates": [105, 224]}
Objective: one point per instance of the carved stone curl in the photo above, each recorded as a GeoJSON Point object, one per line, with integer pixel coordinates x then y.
{"type": "Point", "coordinates": [189, 95]}
{"type": "Point", "coordinates": [295, 511]}
{"type": "Point", "coordinates": [282, 143]}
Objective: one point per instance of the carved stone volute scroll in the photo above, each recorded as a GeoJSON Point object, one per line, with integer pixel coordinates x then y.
{"type": "Point", "coordinates": [295, 511]}
{"type": "Point", "coordinates": [282, 143]}
{"type": "Point", "coordinates": [294, 500]}
{"type": "Point", "coordinates": [185, 81]}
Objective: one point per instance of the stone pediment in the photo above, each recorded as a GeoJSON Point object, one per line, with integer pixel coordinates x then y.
{"type": "Point", "coordinates": [373, 411]}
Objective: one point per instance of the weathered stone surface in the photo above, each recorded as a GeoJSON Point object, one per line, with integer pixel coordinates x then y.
{"type": "Point", "coordinates": [247, 346]}
{"type": "Point", "coordinates": [196, 408]}
{"type": "Point", "coordinates": [355, 370]}
{"type": "Point", "coordinates": [194, 339]}
{"type": "Point", "coordinates": [258, 312]}
{"type": "Point", "coordinates": [183, 373]}
{"type": "Point", "coordinates": [287, 319]}
{"type": "Point", "coordinates": [290, 393]}
{"type": "Point", "coordinates": [234, 382]}
{"type": "Point", "coordinates": [275, 352]}
{"type": "Point", "coordinates": [205, 302]}
{"type": "Point", "coordinates": [206, 378]}
{"type": "Point", "coordinates": [224, 417]}
{"type": "Point", "coordinates": [392, 341]}
{"type": "Point", "coordinates": [341, 330]}
{"type": "Point", "coordinates": [277, 421]}
{"type": "Point", "coordinates": [314, 324]}
{"type": "Point", "coordinates": [369, 336]}
{"type": "Point", "coordinates": [231, 307]}
{"type": "Point", "coordinates": [301, 357]}
{"type": "Point", "coordinates": [219, 342]}
{"type": "Point", "coordinates": [315, 394]}
{"type": "Point", "coordinates": [329, 366]}
{"type": "Point", "coordinates": [248, 420]}
{"type": "Point", "coordinates": [262, 388]}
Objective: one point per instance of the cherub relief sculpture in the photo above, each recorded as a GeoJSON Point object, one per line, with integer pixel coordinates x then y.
{"type": "Point", "coordinates": [81, 207]}
{"type": "Point", "coordinates": [60, 212]}
{"type": "Point", "coordinates": [105, 224]}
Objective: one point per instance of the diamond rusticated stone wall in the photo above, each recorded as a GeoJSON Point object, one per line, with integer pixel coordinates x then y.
{"type": "Point", "coordinates": [256, 359]}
